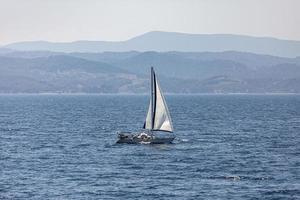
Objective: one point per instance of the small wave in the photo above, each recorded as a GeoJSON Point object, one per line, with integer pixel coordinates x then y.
{"type": "Point", "coordinates": [108, 145]}
{"type": "Point", "coordinates": [177, 140]}
{"type": "Point", "coordinates": [142, 142]}
{"type": "Point", "coordinates": [238, 178]}
{"type": "Point", "coordinates": [14, 129]}
{"type": "Point", "coordinates": [81, 145]}
{"type": "Point", "coordinates": [282, 192]}
{"type": "Point", "coordinates": [184, 140]}
{"type": "Point", "coordinates": [234, 178]}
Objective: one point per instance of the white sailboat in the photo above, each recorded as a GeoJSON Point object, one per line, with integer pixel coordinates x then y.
{"type": "Point", "coordinates": [158, 127]}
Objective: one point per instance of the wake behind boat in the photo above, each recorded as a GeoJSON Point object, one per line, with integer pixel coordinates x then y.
{"type": "Point", "coordinates": [158, 127]}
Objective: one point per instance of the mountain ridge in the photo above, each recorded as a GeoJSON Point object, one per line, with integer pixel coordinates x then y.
{"type": "Point", "coordinates": [172, 41]}
{"type": "Point", "coordinates": [128, 72]}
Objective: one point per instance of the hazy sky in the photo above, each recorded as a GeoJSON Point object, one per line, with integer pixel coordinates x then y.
{"type": "Point", "coordinates": [69, 20]}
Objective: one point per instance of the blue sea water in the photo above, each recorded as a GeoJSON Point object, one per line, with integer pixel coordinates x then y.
{"type": "Point", "coordinates": [227, 147]}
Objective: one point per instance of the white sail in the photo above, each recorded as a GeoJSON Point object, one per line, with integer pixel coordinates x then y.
{"type": "Point", "coordinates": [158, 118]}
{"type": "Point", "coordinates": [148, 122]}
{"type": "Point", "coordinates": [162, 119]}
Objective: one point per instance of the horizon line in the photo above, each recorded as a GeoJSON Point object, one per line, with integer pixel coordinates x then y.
{"type": "Point", "coordinates": [145, 33]}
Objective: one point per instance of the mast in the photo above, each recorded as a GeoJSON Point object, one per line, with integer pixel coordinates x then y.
{"type": "Point", "coordinates": [153, 97]}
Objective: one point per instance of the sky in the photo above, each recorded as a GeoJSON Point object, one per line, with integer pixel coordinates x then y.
{"type": "Point", "coordinates": [116, 20]}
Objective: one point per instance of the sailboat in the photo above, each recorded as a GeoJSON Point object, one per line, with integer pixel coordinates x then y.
{"type": "Point", "coordinates": [158, 127]}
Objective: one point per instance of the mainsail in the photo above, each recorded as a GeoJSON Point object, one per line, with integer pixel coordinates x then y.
{"type": "Point", "coordinates": [158, 116]}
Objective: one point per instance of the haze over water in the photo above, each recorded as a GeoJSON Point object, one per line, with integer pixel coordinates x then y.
{"type": "Point", "coordinates": [233, 146]}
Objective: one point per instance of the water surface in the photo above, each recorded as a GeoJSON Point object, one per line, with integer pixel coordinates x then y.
{"type": "Point", "coordinates": [227, 147]}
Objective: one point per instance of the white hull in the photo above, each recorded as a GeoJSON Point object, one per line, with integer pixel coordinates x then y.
{"type": "Point", "coordinates": [143, 138]}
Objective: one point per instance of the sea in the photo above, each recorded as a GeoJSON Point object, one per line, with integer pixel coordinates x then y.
{"type": "Point", "coordinates": [226, 147]}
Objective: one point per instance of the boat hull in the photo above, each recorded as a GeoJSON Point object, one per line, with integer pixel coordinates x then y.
{"type": "Point", "coordinates": [143, 138]}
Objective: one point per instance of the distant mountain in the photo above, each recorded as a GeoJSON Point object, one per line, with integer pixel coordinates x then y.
{"type": "Point", "coordinates": [128, 72]}
{"type": "Point", "coordinates": [169, 41]}
{"type": "Point", "coordinates": [200, 66]}
{"type": "Point", "coordinates": [62, 74]}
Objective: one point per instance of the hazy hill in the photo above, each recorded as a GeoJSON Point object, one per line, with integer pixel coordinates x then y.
{"type": "Point", "coordinates": [128, 72]}
{"type": "Point", "coordinates": [169, 41]}
{"type": "Point", "coordinates": [60, 74]}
